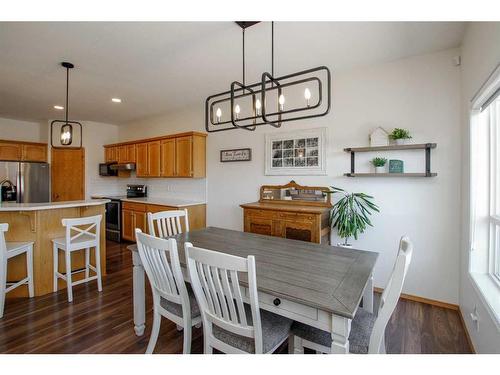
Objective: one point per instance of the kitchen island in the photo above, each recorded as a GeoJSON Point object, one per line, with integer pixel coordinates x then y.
{"type": "Point", "coordinates": [40, 223]}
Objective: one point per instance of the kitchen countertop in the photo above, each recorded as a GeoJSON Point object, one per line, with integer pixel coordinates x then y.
{"type": "Point", "coordinates": [12, 206]}
{"type": "Point", "coordinates": [161, 201]}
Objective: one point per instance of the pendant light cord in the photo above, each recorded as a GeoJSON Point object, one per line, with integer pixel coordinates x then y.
{"type": "Point", "coordinates": [272, 48]}
{"type": "Point", "coordinates": [67, 93]}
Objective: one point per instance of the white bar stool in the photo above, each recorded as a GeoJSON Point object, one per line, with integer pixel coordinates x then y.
{"type": "Point", "coordinates": [9, 250]}
{"type": "Point", "coordinates": [87, 235]}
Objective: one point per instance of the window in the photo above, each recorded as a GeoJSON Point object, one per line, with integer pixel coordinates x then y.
{"type": "Point", "coordinates": [485, 181]}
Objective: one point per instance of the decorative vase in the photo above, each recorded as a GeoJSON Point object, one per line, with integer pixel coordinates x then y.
{"type": "Point", "coordinates": [380, 169]}
{"type": "Point", "coordinates": [401, 141]}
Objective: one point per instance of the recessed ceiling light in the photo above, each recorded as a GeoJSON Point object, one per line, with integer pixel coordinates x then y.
{"type": "Point", "coordinates": [116, 100]}
{"type": "Point", "coordinates": [58, 107]}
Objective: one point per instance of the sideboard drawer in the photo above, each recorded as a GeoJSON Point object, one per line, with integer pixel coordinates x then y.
{"type": "Point", "coordinates": [295, 216]}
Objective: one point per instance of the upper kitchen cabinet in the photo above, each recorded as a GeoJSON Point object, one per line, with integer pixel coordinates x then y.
{"type": "Point", "coordinates": [111, 154]}
{"type": "Point", "coordinates": [148, 159]}
{"type": "Point", "coordinates": [176, 155]}
{"type": "Point", "coordinates": [23, 151]}
{"type": "Point", "coordinates": [126, 154]}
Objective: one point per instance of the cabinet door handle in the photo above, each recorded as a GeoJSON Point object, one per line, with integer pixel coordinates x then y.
{"type": "Point", "coordinates": [277, 302]}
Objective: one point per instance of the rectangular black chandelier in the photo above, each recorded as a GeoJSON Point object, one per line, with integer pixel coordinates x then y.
{"type": "Point", "coordinates": [266, 99]}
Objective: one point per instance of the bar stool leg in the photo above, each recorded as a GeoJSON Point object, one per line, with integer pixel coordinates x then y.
{"type": "Point", "coordinates": [87, 263]}
{"type": "Point", "coordinates": [68, 276]}
{"type": "Point", "coordinates": [29, 268]}
{"type": "Point", "coordinates": [55, 257]}
{"type": "Point", "coordinates": [98, 267]}
{"type": "Point", "coordinates": [3, 285]}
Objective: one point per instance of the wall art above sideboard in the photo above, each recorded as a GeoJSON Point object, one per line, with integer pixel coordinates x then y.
{"type": "Point", "coordinates": [301, 152]}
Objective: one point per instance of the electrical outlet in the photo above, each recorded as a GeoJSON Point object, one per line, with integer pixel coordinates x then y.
{"type": "Point", "coordinates": [475, 318]}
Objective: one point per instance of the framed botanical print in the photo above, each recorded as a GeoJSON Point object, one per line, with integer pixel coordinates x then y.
{"type": "Point", "coordinates": [301, 152]}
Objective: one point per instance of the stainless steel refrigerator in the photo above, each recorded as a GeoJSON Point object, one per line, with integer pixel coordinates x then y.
{"type": "Point", "coordinates": [31, 180]}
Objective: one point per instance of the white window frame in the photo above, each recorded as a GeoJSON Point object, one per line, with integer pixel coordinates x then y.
{"type": "Point", "coordinates": [484, 255]}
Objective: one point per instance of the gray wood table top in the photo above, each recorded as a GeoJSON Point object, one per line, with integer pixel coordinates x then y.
{"type": "Point", "coordinates": [326, 277]}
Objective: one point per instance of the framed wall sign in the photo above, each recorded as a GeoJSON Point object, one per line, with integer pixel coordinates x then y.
{"type": "Point", "coordinates": [239, 154]}
{"type": "Point", "coordinates": [301, 152]}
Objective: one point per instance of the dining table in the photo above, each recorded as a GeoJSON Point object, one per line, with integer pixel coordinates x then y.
{"type": "Point", "coordinates": [319, 285]}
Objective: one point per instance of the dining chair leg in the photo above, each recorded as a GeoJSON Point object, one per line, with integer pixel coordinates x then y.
{"type": "Point", "coordinates": [55, 261]}
{"type": "Point", "coordinates": [29, 268]}
{"type": "Point", "coordinates": [155, 330]}
{"type": "Point", "coordinates": [186, 349]}
{"type": "Point", "coordinates": [98, 267]}
{"type": "Point", "coordinates": [3, 285]}
{"type": "Point", "coordinates": [87, 263]}
{"type": "Point", "coordinates": [69, 285]}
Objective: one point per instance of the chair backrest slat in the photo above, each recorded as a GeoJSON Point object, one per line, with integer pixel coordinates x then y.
{"type": "Point", "coordinates": [161, 263]}
{"type": "Point", "coordinates": [214, 278]}
{"type": "Point", "coordinates": [88, 227]}
{"type": "Point", "coordinates": [167, 223]}
{"type": "Point", "coordinates": [391, 295]}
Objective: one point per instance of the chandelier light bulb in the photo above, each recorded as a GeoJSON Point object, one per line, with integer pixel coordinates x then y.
{"type": "Point", "coordinates": [237, 110]}
{"type": "Point", "coordinates": [218, 114]}
{"type": "Point", "coordinates": [307, 95]}
{"type": "Point", "coordinates": [258, 106]}
{"type": "Point", "coordinates": [281, 101]}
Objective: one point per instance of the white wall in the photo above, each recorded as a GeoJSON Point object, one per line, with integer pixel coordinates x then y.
{"type": "Point", "coordinates": [480, 56]}
{"type": "Point", "coordinates": [420, 93]}
{"type": "Point", "coordinates": [17, 130]}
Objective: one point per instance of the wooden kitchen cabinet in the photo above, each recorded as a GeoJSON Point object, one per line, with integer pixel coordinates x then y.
{"type": "Point", "coordinates": [167, 153]}
{"type": "Point", "coordinates": [178, 155]}
{"type": "Point", "coordinates": [111, 154]}
{"type": "Point", "coordinates": [298, 219]}
{"type": "Point", "coordinates": [134, 215]}
{"type": "Point", "coordinates": [34, 152]}
{"type": "Point", "coordinates": [148, 159]}
{"type": "Point", "coordinates": [126, 154]}
{"type": "Point", "coordinates": [10, 151]}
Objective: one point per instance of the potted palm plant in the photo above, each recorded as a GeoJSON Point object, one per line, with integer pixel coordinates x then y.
{"type": "Point", "coordinates": [350, 215]}
{"type": "Point", "coordinates": [400, 136]}
{"type": "Point", "coordinates": [379, 164]}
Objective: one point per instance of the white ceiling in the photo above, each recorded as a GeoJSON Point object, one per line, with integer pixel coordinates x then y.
{"type": "Point", "coordinates": [158, 67]}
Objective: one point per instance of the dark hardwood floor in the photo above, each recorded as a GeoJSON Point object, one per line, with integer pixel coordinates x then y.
{"type": "Point", "coordinates": [102, 322]}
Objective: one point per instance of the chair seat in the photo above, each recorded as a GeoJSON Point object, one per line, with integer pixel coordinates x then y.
{"type": "Point", "coordinates": [16, 248]}
{"type": "Point", "coordinates": [176, 308]}
{"type": "Point", "coordinates": [81, 242]}
{"type": "Point", "coordinates": [275, 329]}
{"type": "Point", "coordinates": [359, 338]}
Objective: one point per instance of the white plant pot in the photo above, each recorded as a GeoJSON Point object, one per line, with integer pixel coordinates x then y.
{"type": "Point", "coordinates": [347, 246]}
{"type": "Point", "coordinates": [380, 169]}
{"type": "Point", "coordinates": [401, 141]}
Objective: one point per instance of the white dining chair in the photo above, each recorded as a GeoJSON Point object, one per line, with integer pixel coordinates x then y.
{"type": "Point", "coordinates": [229, 325]}
{"type": "Point", "coordinates": [81, 233]}
{"type": "Point", "coordinates": [171, 298]}
{"type": "Point", "coordinates": [167, 223]}
{"type": "Point", "coordinates": [9, 250]}
{"type": "Point", "coordinates": [367, 331]}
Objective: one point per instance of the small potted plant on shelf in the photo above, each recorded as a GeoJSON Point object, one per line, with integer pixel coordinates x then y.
{"type": "Point", "coordinates": [400, 136]}
{"type": "Point", "coordinates": [350, 215]}
{"type": "Point", "coordinates": [379, 164]}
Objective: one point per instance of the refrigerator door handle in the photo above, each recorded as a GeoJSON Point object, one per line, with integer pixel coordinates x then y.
{"type": "Point", "coordinates": [20, 184]}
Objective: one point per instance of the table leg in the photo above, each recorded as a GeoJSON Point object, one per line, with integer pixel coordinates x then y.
{"type": "Point", "coordinates": [139, 295]}
{"type": "Point", "coordinates": [341, 327]}
{"type": "Point", "coordinates": [368, 296]}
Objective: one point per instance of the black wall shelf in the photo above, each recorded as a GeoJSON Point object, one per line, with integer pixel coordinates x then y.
{"type": "Point", "coordinates": [419, 146]}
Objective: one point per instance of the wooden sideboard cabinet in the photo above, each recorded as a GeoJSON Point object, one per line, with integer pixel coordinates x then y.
{"type": "Point", "coordinates": [297, 217]}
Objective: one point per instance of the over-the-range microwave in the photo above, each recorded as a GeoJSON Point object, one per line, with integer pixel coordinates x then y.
{"type": "Point", "coordinates": [106, 170]}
